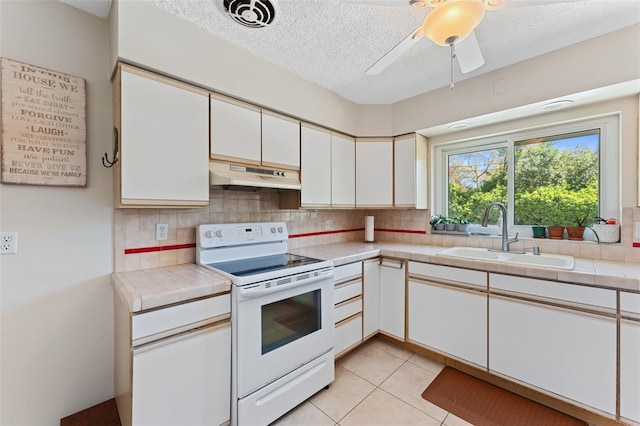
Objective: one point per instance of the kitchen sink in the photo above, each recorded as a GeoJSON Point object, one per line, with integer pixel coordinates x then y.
{"type": "Point", "coordinates": [553, 261]}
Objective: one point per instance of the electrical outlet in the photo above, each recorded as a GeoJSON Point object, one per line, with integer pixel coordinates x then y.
{"type": "Point", "coordinates": [8, 243]}
{"type": "Point", "coordinates": [162, 230]}
{"type": "Point", "coordinates": [328, 224]}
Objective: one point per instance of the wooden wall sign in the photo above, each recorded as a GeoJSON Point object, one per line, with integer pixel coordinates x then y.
{"type": "Point", "coordinates": [44, 130]}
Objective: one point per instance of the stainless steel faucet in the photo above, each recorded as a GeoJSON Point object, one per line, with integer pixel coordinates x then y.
{"type": "Point", "coordinates": [505, 232]}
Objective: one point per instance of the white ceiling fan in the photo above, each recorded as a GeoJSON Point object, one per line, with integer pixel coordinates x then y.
{"type": "Point", "coordinates": [448, 23]}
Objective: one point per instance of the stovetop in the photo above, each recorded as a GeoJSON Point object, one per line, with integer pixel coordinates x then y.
{"type": "Point", "coordinates": [251, 252]}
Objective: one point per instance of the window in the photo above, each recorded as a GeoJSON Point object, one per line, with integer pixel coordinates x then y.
{"type": "Point", "coordinates": [545, 176]}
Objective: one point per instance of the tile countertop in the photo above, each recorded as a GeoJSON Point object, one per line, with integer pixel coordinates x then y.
{"type": "Point", "coordinates": [155, 287]}
{"type": "Point", "coordinates": [600, 273]}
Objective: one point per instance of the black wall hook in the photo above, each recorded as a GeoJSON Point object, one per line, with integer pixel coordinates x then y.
{"type": "Point", "coordinates": [105, 160]}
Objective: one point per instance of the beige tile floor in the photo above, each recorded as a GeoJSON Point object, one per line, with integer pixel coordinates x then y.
{"type": "Point", "coordinates": [376, 384]}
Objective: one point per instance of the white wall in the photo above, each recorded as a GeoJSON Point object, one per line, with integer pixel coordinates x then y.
{"type": "Point", "coordinates": [602, 61]}
{"type": "Point", "coordinates": [56, 354]}
{"type": "Point", "coordinates": [151, 37]}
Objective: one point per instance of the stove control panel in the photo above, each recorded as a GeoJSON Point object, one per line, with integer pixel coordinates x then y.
{"type": "Point", "coordinates": [236, 234]}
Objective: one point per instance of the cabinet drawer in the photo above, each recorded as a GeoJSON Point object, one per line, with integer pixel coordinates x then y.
{"type": "Point", "coordinates": [174, 318]}
{"type": "Point", "coordinates": [348, 334]}
{"type": "Point", "coordinates": [630, 304]}
{"type": "Point", "coordinates": [554, 290]}
{"type": "Point", "coordinates": [448, 273]}
{"type": "Point", "coordinates": [347, 309]}
{"type": "Point", "coordinates": [347, 290]}
{"type": "Point", "coordinates": [345, 272]}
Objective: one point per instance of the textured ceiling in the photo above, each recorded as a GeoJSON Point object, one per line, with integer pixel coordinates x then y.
{"type": "Point", "coordinates": [333, 42]}
{"type": "Point", "coordinates": [100, 8]}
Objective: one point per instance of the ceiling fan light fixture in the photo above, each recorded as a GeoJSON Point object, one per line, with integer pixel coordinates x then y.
{"type": "Point", "coordinates": [453, 21]}
{"type": "Point", "coordinates": [418, 4]}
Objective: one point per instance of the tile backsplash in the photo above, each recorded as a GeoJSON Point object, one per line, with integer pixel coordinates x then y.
{"type": "Point", "coordinates": [136, 246]}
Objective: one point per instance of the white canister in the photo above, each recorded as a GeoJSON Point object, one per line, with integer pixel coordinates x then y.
{"type": "Point", "coordinates": [607, 233]}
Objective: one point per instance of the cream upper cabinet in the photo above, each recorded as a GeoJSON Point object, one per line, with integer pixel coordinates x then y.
{"type": "Point", "coordinates": [343, 171]}
{"type": "Point", "coordinates": [315, 167]}
{"type": "Point", "coordinates": [235, 131]}
{"type": "Point", "coordinates": [374, 173]}
{"type": "Point", "coordinates": [163, 128]}
{"type": "Point", "coordinates": [410, 171]}
{"type": "Point", "coordinates": [280, 141]}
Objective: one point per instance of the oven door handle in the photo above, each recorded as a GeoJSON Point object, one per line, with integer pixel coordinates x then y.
{"type": "Point", "coordinates": [257, 291]}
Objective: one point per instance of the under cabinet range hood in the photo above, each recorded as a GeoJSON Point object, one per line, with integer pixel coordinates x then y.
{"type": "Point", "coordinates": [230, 174]}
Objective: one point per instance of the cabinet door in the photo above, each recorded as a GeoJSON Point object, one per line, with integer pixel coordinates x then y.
{"type": "Point", "coordinates": [392, 297]}
{"type": "Point", "coordinates": [570, 353]}
{"type": "Point", "coordinates": [448, 319]}
{"type": "Point", "coordinates": [280, 142]}
{"type": "Point", "coordinates": [371, 282]}
{"type": "Point", "coordinates": [184, 380]}
{"type": "Point", "coordinates": [630, 356]}
{"type": "Point", "coordinates": [410, 172]}
{"type": "Point", "coordinates": [235, 131]}
{"type": "Point", "coordinates": [315, 167]}
{"type": "Point", "coordinates": [374, 173]}
{"type": "Point", "coordinates": [343, 172]}
{"type": "Point", "coordinates": [164, 138]}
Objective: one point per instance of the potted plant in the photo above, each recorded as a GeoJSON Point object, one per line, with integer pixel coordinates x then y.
{"type": "Point", "coordinates": [576, 232]}
{"type": "Point", "coordinates": [539, 231]}
{"type": "Point", "coordinates": [438, 222]}
{"type": "Point", "coordinates": [450, 224]}
{"type": "Point", "coordinates": [556, 232]}
{"type": "Point", "coordinates": [461, 222]}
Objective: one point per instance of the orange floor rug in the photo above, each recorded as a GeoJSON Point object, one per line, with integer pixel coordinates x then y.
{"type": "Point", "coordinates": [483, 404]}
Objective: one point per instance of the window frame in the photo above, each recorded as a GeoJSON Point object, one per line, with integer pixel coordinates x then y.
{"type": "Point", "coordinates": [610, 188]}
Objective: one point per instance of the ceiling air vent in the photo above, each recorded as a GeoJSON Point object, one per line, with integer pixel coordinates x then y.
{"type": "Point", "coordinates": [252, 13]}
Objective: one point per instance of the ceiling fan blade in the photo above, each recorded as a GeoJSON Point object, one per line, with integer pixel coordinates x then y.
{"type": "Point", "coordinates": [469, 54]}
{"type": "Point", "coordinates": [395, 52]}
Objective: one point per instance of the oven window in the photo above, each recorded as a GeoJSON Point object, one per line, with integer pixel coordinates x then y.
{"type": "Point", "coordinates": [290, 319]}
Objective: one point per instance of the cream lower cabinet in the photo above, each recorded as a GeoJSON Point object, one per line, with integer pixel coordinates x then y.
{"type": "Point", "coordinates": [163, 131]}
{"type": "Point", "coordinates": [348, 307]}
{"type": "Point", "coordinates": [184, 380]}
{"type": "Point", "coordinates": [630, 356]}
{"type": "Point", "coordinates": [392, 297]}
{"type": "Point", "coordinates": [447, 311]}
{"type": "Point", "coordinates": [173, 365]}
{"type": "Point", "coordinates": [567, 348]}
{"type": "Point", "coordinates": [371, 282]}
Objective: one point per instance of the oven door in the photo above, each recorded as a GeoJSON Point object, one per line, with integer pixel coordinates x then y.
{"type": "Point", "coordinates": [281, 327]}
